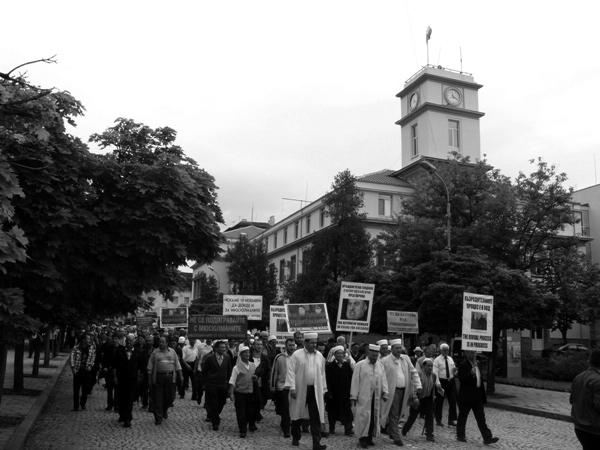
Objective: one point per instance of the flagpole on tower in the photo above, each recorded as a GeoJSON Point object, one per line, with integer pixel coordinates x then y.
{"type": "Point", "coordinates": [427, 37]}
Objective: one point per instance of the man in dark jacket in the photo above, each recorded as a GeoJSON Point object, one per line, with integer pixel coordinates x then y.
{"type": "Point", "coordinates": [338, 374]}
{"type": "Point", "coordinates": [107, 356]}
{"type": "Point", "coordinates": [585, 401]}
{"type": "Point", "coordinates": [260, 358]}
{"type": "Point", "coordinates": [126, 371]}
{"type": "Point", "coordinates": [471, 397]}
{"type": "Point", "coordinates": [216, 370]}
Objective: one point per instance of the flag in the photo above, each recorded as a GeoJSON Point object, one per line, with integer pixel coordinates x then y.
{"type": "Point", "coordinates": [428, 34]}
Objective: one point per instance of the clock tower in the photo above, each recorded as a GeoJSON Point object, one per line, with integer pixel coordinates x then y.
{"type": "Point", "coordinates": [440, 115]}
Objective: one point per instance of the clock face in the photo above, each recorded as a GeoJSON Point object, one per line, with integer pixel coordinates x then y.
{"type": "Point", "coordinates": [453, 96]}
{"type": "Point", "coordinates": [413, 101]}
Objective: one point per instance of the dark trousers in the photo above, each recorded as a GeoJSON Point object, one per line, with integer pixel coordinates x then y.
{"type": "Point", "coordinates": [110, 391]}
{"type": "Point", "coordinates": [162, 394]}
{"type": "Point", "coordinates": [588, 441]}
{"type": "Point", "coordinates": [313, 418]}
{"type": "Point", "coordinates": [339, 409]}
{"type": "Point", "coordinates": [143, 387]}
{"type": "Point", "coordinates": [426, 408]}
{"type": "Point", "coordinates": [125, 399]}
{"type": "Point", "coordinates": [198, 386]}
{"type": "Point", "coordinates": [81, 380]}
{"type": "Point", "coordinates": [282, 408]}
{"type": "Point", "coordinates": [216, 397]}
{"type": "Point", "coordinates": [464, 407]}
{"type": "Point", "coordinates": [246, 407]}
{"type": "Point", "coordinates": [450, 394]}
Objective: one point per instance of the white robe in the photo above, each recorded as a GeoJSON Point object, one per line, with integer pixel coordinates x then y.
{"type": "Point", "coordinates": [411, 377]}
{"type": "Point", "coordinates": [296, 380]}
{"type": "Point", "coordinates": [367, 379]}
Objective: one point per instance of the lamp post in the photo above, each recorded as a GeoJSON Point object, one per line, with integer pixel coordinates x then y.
{"type": "Point", "coordinates": [432, 170]}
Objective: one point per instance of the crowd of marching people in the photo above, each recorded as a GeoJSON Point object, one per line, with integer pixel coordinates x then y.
{"type": "Point", "coordinates": [370, 389]}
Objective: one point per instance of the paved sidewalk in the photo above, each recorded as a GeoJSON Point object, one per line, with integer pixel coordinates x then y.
{"type": "Point", "coordinates": [538, 402]}
{"type": "Point", "coordinates": [60, 428]}
{"type": "Point", "coordinates": [19, 412]}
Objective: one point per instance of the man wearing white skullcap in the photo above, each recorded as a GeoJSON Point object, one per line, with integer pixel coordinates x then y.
{"type": "Point", "coordinates": [337, 400]}
{"type": "Point", "coordinates": [368, 390]}
{"type": "Point", "coordinates": [444, 368]}
{"type": "Point", "coordinates": [243, 392]}
{"type": "Point", "coordinates": [404, 384]}
{"type": "Point", "coordinates": [383, 348]}
{"type": "Point", "coordinates": [307, 384]}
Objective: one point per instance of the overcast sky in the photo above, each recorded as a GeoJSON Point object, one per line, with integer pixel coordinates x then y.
{"type": "Point", "coordinates": [273, 98]}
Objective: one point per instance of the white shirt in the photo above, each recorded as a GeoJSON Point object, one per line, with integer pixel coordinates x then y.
{"type": "Point", "coordinates": [400, 379]}
{"type": "Point", "coordinates": [311, 369]}
{"type": "Point", "coordinates": [439, 367]}
{"type": "Point", "coordinates": [478, 376]}
{"type": "Point", "coordinates": [189, 353]}
{"type": "Point", "coordinates": [235, 372]}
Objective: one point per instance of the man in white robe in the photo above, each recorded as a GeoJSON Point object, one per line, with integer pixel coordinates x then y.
{"type": "Point", "coordinates": [368, 390]}
{"type": "Point", "coordinates": [306, 382]}
{"type": "Point", "coordinates": [404, 383]}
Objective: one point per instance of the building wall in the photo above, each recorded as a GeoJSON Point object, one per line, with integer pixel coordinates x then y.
{"type": "Point", "coordinates": [591, 196]}
{"type": "Point", "coordinates": [180, 298]}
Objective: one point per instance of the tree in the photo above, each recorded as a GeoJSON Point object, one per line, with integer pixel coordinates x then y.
{"type": "Point", "coordinates": [337, 251]}
{"type": "Point", "coordinates": [440, 283]}
{"type": "Point", "coordinates": [250, 272]}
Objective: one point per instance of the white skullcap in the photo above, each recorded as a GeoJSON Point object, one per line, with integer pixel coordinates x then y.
{"type": "Point", "coordinates": [396, 342]}
{"type": "Point", "coordinates": [418, 349]}
{"type": "Point", "coordinates": [252, 341]}
{"type": "Point", "coordinates": [243, 348]}
{"type": "Point", "coordinates": [131, 336]}
{"type": "Point", "coordinates": [338, 348]}
{"type": "Point", "coordinates": [382, 342]}
{"type": "Point", "coordinates": [374, 347]}
{"type": "Point", "coordinates": [272, 337]}
{"type": "Point", "coordinates": [181, 340]}
{"type": "Point", "coordinates": [309, 336]}
{"type": "Point", "coordinates": [444, 346]}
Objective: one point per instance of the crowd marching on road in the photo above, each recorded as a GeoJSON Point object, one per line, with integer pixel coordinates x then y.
{"type": "Point", "coordinates": [371, 390]}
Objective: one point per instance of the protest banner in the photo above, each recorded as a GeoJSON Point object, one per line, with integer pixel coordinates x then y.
{"type": "Point", "coordinates": [278, 324]}
{"type": "Point", "coordinates": [307, 317]}
{"type": "Point", "coordinates": [207, 326]}
{"type": "Point", "coordinates": [243, 305]}
{"type": "Point", "coordinates": [144, 322]}
{"type": "Point", "coordinates": [174, 317]}
{"type": "Point", "coordinates": [356, 304]}
{"type": "Point", "coordinates": [401, 322]}
{"type": "Point", "coordinates": [478, 322]}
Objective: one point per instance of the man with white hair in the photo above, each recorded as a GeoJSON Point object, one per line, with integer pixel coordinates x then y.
{"type": "Point", "coordinates": [404, 384]}
{"type": "Point", "coordinates": [368, 390]}
{"type": "Point", "coordinates": [243, 391]}
{"type": "Point", "coordinates": [445, 370]}
{"type": "Point", "coordinates": [339, 379]}
{"type": "Point", "coordinates": [307, 384]}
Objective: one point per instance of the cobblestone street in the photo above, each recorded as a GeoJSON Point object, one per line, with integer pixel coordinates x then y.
{"type": "Point", "coordinates": [60, 428]}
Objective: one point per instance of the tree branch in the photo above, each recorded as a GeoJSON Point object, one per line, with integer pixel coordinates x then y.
{"type": "Point", "coordinates": [50, 60]}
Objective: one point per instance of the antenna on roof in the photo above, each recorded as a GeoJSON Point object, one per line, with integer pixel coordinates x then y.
{"type": "Point", "coordinates": [427, 37]}
{"type": "Point", "coordinates": [595, 172]}
{"type": "Point", "coordinates": [252, 213]}
{"type": "Point", "coordinates": [460, 53]}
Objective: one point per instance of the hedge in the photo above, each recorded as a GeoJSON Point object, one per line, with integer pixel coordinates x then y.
{"type": "Point", "coordinates": [557, 367]}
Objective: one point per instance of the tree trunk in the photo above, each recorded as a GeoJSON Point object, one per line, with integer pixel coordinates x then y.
{"type": "Point", "coordinates": [35, 371]}
{"type": "Point", "coordinates": [47, 348]}
{"type": "Point", "coordinates": [563, 332]}
{"type": "Point", "coordinates": [3, 352]}
{"type": "Point", "coordinates": [18, 384]}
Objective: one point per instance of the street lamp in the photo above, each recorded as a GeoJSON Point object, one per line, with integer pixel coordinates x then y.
{"type": "Point", "coordinates": [432, 170]}
{"type": "Point", "coordinates": [212, 269]}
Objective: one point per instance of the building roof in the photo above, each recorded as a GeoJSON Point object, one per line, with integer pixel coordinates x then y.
{"type": "Point", "coordinates": [383, 177]}
{"type": "Point", "coordinates": [245, 223]}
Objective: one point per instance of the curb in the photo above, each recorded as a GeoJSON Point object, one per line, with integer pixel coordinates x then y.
{"type": "Point", "coordinates": [530, 411]}
{"type": "Point", "coordinates": [19, 436]}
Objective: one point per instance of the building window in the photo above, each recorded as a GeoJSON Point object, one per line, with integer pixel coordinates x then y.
{"type": "Point", "coordinates": [296, 228]}
{"type": "Point", "coordinates": [308, 224]}
{"type": "Point", "coordinates": [285, 236]}
{"type": "Point", "coordinates": [293, 267]}
{"type": "Point", "coordinates": [322, 217]}
{"type": "Point", "coordinates": [385, 205]}
{"type": "Point", "coordinates": [275, 240]}
{"type": "Point", "coordinates": [281, 271]}
{"type": "Point", "coordinates": [453, 136]}
{"type": "Point", "coordinates": [414, 148]}
{"type": "Point", "coordinates": [379, 258]}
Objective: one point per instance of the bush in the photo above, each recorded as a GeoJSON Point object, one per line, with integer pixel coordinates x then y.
{"type": "Point", "coordinates": [558, 367]}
